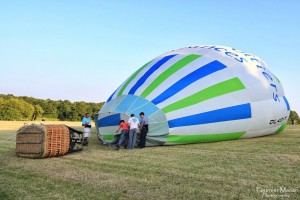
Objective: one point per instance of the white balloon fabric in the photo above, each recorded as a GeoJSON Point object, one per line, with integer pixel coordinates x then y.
{"type": "Point", "coordinates": [199, 94]}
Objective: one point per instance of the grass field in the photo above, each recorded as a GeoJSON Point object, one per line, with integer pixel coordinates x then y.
{"type": "Point", "coordinates": [238, 169]}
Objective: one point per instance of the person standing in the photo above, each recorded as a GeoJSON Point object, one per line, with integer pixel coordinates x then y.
{"type": "Point", "coordinates": [43, 120]}
{"type": "Point", "coordinates": [124, 129]}
{"type": "Point", "coordinates": [86, 122]}
{"type": "Point", "coordinates": [134, 124]}
{"type": "Point", "coordinates": [144, 129]}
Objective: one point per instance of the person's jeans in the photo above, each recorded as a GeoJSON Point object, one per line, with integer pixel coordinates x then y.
{"type": "Point", "coordinates": [144, 132]}
{"type": "Point", "coordinates": [132, 138]}
{"type": "Point", "coordinates": [123, 132]}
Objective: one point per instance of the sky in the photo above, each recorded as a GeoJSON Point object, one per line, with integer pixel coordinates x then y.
{"type": "Point", "coordinates": [83, 50]}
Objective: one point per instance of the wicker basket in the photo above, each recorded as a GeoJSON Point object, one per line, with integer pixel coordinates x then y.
{"type": "Point", "coordinates": [42, 141]}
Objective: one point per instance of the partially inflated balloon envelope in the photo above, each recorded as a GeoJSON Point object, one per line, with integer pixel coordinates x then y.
{"type": "Point", "coordinates": [199, 94]}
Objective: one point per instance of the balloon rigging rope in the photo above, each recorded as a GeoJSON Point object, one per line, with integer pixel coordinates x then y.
{"type": "Point", "coordinates": [132, 104]}
{"type": "Point", "coordinates": [14, 136]}
{"type": "Point", "coordinates": [140, 106]}
{"type": "Point", "coordinates": [9, 139]}
{"type": "Point", "coordinates": [114, 107]}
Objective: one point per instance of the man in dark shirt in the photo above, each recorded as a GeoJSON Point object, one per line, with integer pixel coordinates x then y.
{"type": "Point", "coordinates": [144, 129]}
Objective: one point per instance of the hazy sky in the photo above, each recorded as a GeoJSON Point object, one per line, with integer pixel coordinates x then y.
{"type": "Point", "coordinates": [83, 50]}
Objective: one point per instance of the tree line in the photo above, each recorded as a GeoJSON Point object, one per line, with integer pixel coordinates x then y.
{"type": "Point", "coordinates": [293, 118]}
{"type": "Point", "coordinates": [29, 108]}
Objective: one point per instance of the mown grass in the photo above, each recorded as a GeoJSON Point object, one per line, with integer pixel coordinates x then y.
{"type": "Point", "coordinates": [222, 170]}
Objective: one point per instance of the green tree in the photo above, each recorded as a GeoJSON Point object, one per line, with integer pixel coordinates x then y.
{"type": "Point", "coordinates": [293, 118]}
{"type": "Point", "coordinates": [81, 108]}
{"type": "Point", "coordinates": [23, 108]}
{"type": "Point", "coordinates": [15, 109]}
{"type": "Point", "coordinates": [29, 100]}
{"type": "Point", "coordinates": [73, 114]}
{"type": "Point", "coordinates": [50, 109]}
{"type": "Point", "coordinates": [64, 110]}
{"type": "Point", "coordinates": [38, 111]}
{"type": "Point", "coordinates": [7, 112]}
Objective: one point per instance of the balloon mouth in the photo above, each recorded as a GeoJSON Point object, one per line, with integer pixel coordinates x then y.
{"type": "Point", "coordinates": [121, 107]}
{"type": "Point", "coordinates": [108, 123]}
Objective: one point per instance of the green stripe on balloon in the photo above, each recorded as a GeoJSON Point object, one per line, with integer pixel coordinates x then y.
{"type": "Point", "coordinates": [277, 79]}
{"type": "Point", "coordinates": [108, 137]}
{"type": "Point", "coordinates": [282, 127]}
{"type": "Point", "coordinates": [131, 78]}
{"type": "Point", "coordinates": [213, 91]}
{"type": "Point", "coordinates": [169, 72]}
{"type": "Point", "coordinates": [204, 138]}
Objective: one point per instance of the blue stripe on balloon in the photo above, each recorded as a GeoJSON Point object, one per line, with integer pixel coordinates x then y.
{"type": "Point", "coordinates": [108, 100]}
{"type": "Point", "coordinates": [149, 72]}
{"type": "Point", "coordinates": [111, 120]}
{"type": "Point", "coordinates": [189, 79]}
{"type": "Point", "coordinates": [286, 103]}
{"type": "Point", "coordinates": [225, 114]}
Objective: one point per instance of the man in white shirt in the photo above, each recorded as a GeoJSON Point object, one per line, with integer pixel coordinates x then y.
{"type": "Point", "coordinates": [134, 125]}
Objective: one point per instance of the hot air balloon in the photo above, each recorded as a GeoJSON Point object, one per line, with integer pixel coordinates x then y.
{"type": "Point", "coordinates": [202, 93]}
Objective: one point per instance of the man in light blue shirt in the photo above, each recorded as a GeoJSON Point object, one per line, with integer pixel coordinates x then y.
{"type": "Point", "coordinates": [86, 122]}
